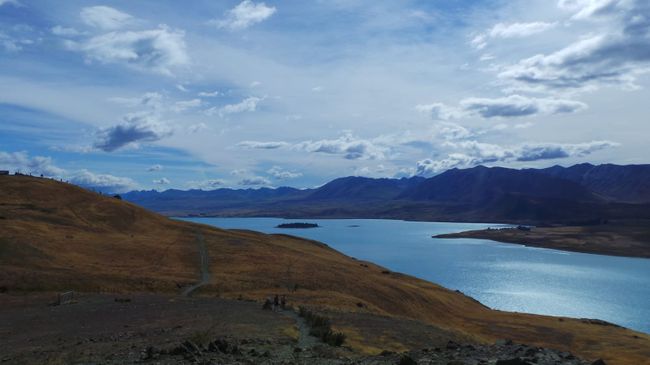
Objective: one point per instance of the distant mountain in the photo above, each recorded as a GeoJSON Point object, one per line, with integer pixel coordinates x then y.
{"type": "Point", "coordinates": [364, 188]}
{"type": "Point", "coordinates": [579, 193]}
{"type": "Point", "coordinates": [480, 185]}
{"type": "Point", "coordinates": [629, 183]}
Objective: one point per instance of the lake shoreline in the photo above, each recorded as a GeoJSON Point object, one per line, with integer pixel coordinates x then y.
{"type": "Point", "coordinates": [609, 240]}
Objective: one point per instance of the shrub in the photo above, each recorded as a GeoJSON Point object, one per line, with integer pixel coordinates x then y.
{"type": "Point", "coordinates": [321, 328]}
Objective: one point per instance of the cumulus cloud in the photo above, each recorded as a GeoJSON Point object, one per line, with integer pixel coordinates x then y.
{"type": "Point", "coordinates": [22, 162]}
{"type": "Point", "coordinates": [254, 181]}
{"type": "Point", "coordinates": [244, 15]}
{"type": "Point", "coordinates": [206, 184]}
{"type": "Point", "coordinates": [350, 147]}
{"type": "Point", "coordinates": [511, 30]}
{"type": "Point", "coordinates": [159, 50]}
{"type": "Point", "coordinates": [136, 127]}
{"type": "Point", "coordinates": [473, 153]}
{"type": "Point", "coordinates": [615, 56]}
{"type": "Point", "coordinates": [41, 165]}
{"type": "Point", "coordinates": [154, 168]}
{"type": "Point", "coordinates": [103, 183]}
{"type": "Point", "coordinates": [262, 145]}
{"type": "Point", "coordinates": [183, 105]}
{"type": "Point", "coordinates": [278, 173]}
{"type": "Point", "coordinates": [505, 107]}
{"type": "Point", "coordinates": [161, 181]}
{"type": "Point", "coordinates": [246, 105]}
{"type": "Point", "coordinates": [104, 17]}
{"type": "Point", "coordinates": [209, 94]}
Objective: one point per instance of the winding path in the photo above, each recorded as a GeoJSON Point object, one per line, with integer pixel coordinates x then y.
{"type": "Point", "coordinates": [205, 266]}
{"type": "Point", "coordinates": [305, 340]}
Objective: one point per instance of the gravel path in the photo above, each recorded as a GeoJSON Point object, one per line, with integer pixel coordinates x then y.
{"type": "Point", "coordinates": [305, 340]}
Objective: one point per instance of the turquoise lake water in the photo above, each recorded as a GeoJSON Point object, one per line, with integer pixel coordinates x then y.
{"type": "Point", "coordinates": [501, 276]}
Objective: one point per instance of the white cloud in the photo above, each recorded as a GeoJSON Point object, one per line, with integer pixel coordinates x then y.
{"type": "Point", "coordinates": [246, 105]}
{"type": "Point", "coordinates": [244, 15]}
{"type": "Point", "coordinates": [183, 105]}
{"type": "Point", "coordinates": [161, 181]}
{"type": "Point", "coordinates": [40, 165]}
{"type": "Point", "coordinates": [195, 128]}
{"type": "Point", "coordinates": [254, 181]}
{"type": "Point", "coordinates": [22, 162]}
{"type": "Point", "coordinates": [105, 17]}
{"type": "Point", "coordinates": [65, 31]}
{"type": "Point", "coordinates": [473, 153]}
{"type": "Point", "coordinates": [262, 145]}
{"type": "Point", "coordinates": [510, 30]}
{"type": "Point", "coordinates": [209, 94]}
{"type": "Point", "coordinates": [616, 55]}
{"type": "Point", "coordinates": [278, 173]}
{"type": "Point", "coordinates": [155, 167]}
{"type": "Point", "coordinates": [206, 184]}
{"type": "Point", "coordinates": [103, 183]}
{"type": "Point", "coordinates": [153, 100]}
{"type": "Point", "coordinates": [13, 43]}
{"type": "Point", "coordinates": [135, 128]}
{"type": "Point", "coordinates": [505, 107]}
{"type": "Point", "coordinates": [160, 50]}
{"type": "Point", "coordinates": [348, 146]}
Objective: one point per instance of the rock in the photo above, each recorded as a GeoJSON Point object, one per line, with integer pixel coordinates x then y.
{"type": "Point", "coordinates": [599, 362]}
{"type": "Point", "coordinates": [406, 360]}
{"type": "Point", "coordinates": [513, 361]}
{"type": "Point", "coordinates": [503, 342]}
{"type": "Point", "coordinates": [451, 345]}
{"type": "Point", "coordinates": [386, 353]}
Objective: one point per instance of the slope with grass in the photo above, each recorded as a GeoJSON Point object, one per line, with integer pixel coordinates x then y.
{"type": "Point", "coordinates": [56, 236]}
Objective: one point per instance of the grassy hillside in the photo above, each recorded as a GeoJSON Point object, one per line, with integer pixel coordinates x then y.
{"type": "Point", "coordinates": [56, 236]}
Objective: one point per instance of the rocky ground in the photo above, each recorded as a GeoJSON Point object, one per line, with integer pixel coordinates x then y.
{"type": "Point", "coordinates": [154, 329]}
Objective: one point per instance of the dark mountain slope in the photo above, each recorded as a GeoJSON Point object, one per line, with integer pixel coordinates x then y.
{"type": "Point", "coordinates": [481, 185]}
{"type": "Point", "coordinates": [630, 183]}
{"type": "Point", "coordinates": [363, 188]}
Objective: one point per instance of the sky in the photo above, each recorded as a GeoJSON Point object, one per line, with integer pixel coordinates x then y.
{"type": "Point", "coordinates": [138, 95]}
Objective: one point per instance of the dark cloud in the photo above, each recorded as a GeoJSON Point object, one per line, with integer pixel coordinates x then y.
{"type": "Point", "coordinates": [135, 128]}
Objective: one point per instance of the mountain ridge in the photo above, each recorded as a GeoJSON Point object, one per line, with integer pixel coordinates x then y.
{"type": "Point", "coordinates": [556, 194]}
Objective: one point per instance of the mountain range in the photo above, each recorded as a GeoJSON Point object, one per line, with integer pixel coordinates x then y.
{"type": "Point", "coordinates": [578, 194]}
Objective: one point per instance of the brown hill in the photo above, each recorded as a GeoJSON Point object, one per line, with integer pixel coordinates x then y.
{"type": "Point", "coordinates": [55, 236]}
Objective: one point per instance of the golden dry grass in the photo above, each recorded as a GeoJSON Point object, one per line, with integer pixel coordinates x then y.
{"type": "Point", "coordinates": [56, 236]}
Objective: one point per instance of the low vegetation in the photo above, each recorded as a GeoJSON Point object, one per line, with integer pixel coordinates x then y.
{"type": "Point", "coordinates": [321, 328]}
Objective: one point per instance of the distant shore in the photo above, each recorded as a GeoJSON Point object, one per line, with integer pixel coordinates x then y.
{"type": "Point", "coordinates": [629, 239]}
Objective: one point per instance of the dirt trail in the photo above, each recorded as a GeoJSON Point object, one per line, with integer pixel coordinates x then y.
{"type": "Point", "coordinates": [305, 340]}
{"type": "Point", "coordinates": [205, 266]}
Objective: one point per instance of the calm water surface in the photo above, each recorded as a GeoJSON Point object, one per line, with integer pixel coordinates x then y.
{"type": "Point", "coordinates": [502, 276]}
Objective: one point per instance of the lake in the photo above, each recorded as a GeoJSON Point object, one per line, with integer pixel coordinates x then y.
{"type": "Point", "coordinates": [502, 276]}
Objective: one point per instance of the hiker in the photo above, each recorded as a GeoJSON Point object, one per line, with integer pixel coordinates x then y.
{"type": "Point", "coordinates": [283, 302]}
{"type": "Point", "coordinates": [267, 304]}
{"type": "Point", "coordinates": [276, 302]}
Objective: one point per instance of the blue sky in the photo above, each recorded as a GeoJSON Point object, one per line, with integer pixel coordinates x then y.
{"type": "Point", "coordinates": [122, 95]}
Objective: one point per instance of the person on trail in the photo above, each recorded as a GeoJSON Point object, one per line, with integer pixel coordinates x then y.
{"type": "Point", "coordinates": [283, 302]}
{"type": "Point", "coordinates": [267, 304]}
{"type": "Point", "coordinates": [276, 302]}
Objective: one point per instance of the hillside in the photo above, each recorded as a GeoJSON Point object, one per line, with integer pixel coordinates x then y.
{"type": "Point", "coordinates": [56, 237]}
